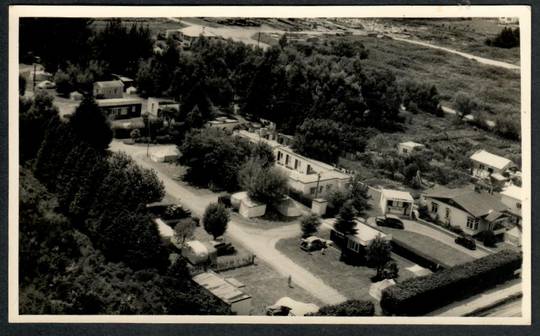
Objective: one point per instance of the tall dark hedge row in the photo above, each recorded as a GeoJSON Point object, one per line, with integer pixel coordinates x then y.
{"type": "Point", "coordinates": [418, 296]}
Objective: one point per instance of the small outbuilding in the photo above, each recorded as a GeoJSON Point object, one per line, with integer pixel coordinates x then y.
{"type": "Point", "coordinates": [250, 208]}
{"type": "Point", "coordinates": [409, 147]}
{"type": "Point", "coordinates": [396, 202]}
{"type": "Point", "coordinates": [238, 301]}
{"type": "Point", "coordinates": [75, 95]}
{"type": "Point", "coordinates": [165, 154]}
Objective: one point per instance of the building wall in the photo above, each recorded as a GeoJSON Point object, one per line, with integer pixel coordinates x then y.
{"type": "Point", "coordinates": [402, 209]}
{"type": "Point", "coordinates": [108, 92]}
{"type": "Point", "coordinates": [512, 203]}
{"type": "Point", "coordinates": [122, 111]}
{"type": "Point", "coordinates": [483, 170]}
{"type": "Point", "coordinates": [457, 216]}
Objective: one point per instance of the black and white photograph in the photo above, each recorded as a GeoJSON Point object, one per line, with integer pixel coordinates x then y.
{"type": "Point", "coordinates": [192, 165]}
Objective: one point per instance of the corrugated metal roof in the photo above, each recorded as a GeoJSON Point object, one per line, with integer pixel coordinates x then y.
{"type": "Point", "coordinates": [110, 84]}
{"type": "Point", "coordinates": [220, 288]}
{"type": "Point", "coordinates": [397, 195]}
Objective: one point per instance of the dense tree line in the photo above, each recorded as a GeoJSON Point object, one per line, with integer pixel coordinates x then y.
{"type": "Point", "coordinates": [506, 38]}
{"type": "Point", "coordinates": [88, 245]}
{"type": "Point", "coordinates": [61, 271]}
{"type": "Point", "coordinates": [64, 42]}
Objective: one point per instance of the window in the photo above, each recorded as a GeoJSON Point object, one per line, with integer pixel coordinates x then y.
{"type": "Point", "coordinates": [447, 213]}
{"type": "Point", "coordinates": [313, 190]}
{"type": "Point", "coordinates": [352, 245]}
{"type": "Point", "coordinates": [390, 203]}
{"type": "Point", "coordinates": [296, 164]}
{"type": "Point", "coordinates": [287, 159]}
{"type": "Point", "coordinates": [328, 187]}
{"type": "Point", "coordinates": [279, 156]}
{"type": "Point", "coordinates": [481, 166]}
{"type": "Point", "coordinates": [472, 223]}
{"type": "Point", "coordinates": [518, 205]}
{"type": "Point", "coordinates": [434, 207]}
{"type": "Point", "coordinates": [405, 150]}
{"type": "Point", "coordinates": [320, 188]}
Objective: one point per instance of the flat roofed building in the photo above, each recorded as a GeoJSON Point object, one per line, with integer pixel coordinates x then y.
{"type": "Point", "coordinates": [396, 202]}
{"type": "Point", "coordinates": [307, 176]}
{"type": "Point", "coordinates": [512, 197]}
{"type": "Point", "coordinates": [486, 164]}
{"type": "Point", "coordinates": [155, 105]}
{"type": "Point", "coordinates": [238, 301]}
{"type": "Point", "coordinates": [120, 108]}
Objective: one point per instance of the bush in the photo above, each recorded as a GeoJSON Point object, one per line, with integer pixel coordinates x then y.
{"type": "Point", "coordinates": [225, 200]}
{"type": "Point", "coordinates": [175, 212]}
{"type": "Point", "coordinates": [348, 308]}
{"type": "Point", "coordinates": [416, 296]}
{"type": "Point", "coordinates": [489, 239]}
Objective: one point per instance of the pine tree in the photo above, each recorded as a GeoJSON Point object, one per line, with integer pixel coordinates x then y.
{"type": "Point", "coordinates": [345, 223]}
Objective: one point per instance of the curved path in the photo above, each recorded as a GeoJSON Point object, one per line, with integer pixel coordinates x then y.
{"type": "Point", "coordinates": [482, 60]}
{"type": "Point", "coordinates": [260, 242]}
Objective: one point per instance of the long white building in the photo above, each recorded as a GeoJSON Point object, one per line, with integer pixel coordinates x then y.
{"type": "Point", "coordinates": [308, 176]}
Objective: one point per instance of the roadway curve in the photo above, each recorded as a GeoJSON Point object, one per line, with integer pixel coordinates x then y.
{"type": "Point", "coordinates": [260, 242]}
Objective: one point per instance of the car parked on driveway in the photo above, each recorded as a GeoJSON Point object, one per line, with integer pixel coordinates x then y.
{"type": "Point", "coordinates": [390, 221]}
{"type": "Point", "coordinates": [314, 243]}
{"type": "Point", "coordinates": [46, 85]}
{"type": "Point", "coordinates": [466, 241]}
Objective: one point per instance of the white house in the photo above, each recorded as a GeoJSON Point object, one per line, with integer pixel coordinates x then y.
{"type": "Point", "coordinates": [357, 243]}
{"type": "Point", "coordinates": [155, 105]}
{"type": "Point", "coordinates": [512, 197]}
{"type": "Point", "coordinates": [307, 176]}
{"type": "Point", "coordinates": [486, 165]}
{"type": "Point", "coordinates": [109, 89]}
{"type": "Point", "coordinates": [396, 202]}
{"type": "Point", "coordinates": [407, 148]}
{"type": "Point", "coordinates": [471, 210]}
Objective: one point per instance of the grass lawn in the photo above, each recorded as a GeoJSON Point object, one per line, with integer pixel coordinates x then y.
{"type": "Point", "coordinates": [267, 286]}
{"type": "Point", "coordinates": [352, 281]}
{"type": "Point", "coordinates": [444, 254]}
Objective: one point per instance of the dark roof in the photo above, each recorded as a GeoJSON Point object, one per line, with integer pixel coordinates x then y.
{"type": "Point", "coordinates": [476, 203]}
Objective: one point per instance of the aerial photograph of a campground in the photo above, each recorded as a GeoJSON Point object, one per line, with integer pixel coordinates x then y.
{"type": "Point", "coordinates": [270, 166]}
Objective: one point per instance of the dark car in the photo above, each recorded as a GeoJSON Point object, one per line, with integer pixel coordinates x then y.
{"type": "Point", "coordinates": [390, 221]}
{"type": "Point", "coordinates": [466, 241]}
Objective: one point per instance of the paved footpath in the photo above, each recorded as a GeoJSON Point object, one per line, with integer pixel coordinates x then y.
{"type": "Point", "coordinates": [260, 242]}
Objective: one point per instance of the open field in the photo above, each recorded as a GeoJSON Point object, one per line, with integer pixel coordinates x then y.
{"type": "Point", "coordinates": [266, 286]}
{"type": "Point", "coordinates": [497, 90]}
{"type": "Point", "coordinates": [462, 35]}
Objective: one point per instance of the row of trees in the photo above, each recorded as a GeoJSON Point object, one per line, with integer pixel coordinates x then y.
{"type": "Point", "coordinates": [63, 273]}
{"type": "Point", "coordinates": [88, 245]}
{"type": "Point", "coordinates": [65, 42]}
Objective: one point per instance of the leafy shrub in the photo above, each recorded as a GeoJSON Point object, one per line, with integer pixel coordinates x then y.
{"type": "Point", "coordinates": [175, 212]}
{"type": "Point", "coordinates": [348, 308]}
{"type": "Point", "coordinates": [416, 296]}
{"type": "Point", "coordinates": [225, 200]}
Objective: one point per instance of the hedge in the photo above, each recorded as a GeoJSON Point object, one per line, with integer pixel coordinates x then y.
{"type": "Point", "coordinates": [348, 308]}
{"type": "Point", "coordinates": [418, 296]}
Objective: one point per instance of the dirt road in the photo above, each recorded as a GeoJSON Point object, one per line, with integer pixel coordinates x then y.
{"type": "Point", "coordinates": [482, 60]}
{"type": "Point", "coordinates": [261, 242]}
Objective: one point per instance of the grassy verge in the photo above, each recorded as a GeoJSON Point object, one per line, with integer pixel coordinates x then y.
{"type": "Point", "coordinates": [352, 281]}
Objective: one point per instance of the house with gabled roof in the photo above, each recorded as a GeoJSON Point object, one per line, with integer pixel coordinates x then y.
{"type": "Point", "coordinates": [473, 211]}
{"type": "Point", "coordinates": [109, 89]}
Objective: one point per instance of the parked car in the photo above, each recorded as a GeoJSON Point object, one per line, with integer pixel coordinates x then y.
{"type": "Point", "coordinates": [390, 221]}
{"type": "Point", "coordinates": [314, 243]}
{"type": "Point", "coordinates": [46, 85]}
{"type": "Point", "coordinates": [276, 310]}
{"type": "Point", "coordinates": [466, 241]}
